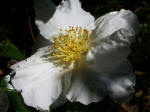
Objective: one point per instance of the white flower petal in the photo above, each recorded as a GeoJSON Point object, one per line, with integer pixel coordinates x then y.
{"type": "Point", "coordinates": [7, 78]}
{"type": "Point", "coordinates": [36, 58]}
{"type": "Point", "coordinates": [124, 21]}
{"type": "Point", "coordinates": [120, 81]}
{"type": "Point", "coordinates": [111, 73]}
{"type": "Point", "coordinates": [66, 82]}
{"type": "Point", "coordinates": [68, 13]}
{"type": "Point", "coordinates": [106, 55]}
{"type": "Point", "coordinates": [112, 36]}
{"type": "Point", "coordinates": [41, 83]}
{"type": "Point", "coordinates": [92, 85]}
{"type": "Point", "coordinates": [44, 10]}
{"type": "Point", "coordinates": [85, 87]}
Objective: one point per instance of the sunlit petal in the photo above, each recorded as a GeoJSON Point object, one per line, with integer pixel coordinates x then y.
{"type": "Point", "coordinates": [123, 21]}
{"type": "Point", "coordinates": [68, 13]}
{"type": "Point", "coordinates": [41, 83]}
{"type": "Point", "coordinates": [111, 38]}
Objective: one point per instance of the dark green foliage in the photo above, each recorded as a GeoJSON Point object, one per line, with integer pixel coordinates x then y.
{"type": "Point", "coordinates": [16, 102]}
{"type": "Point", "coordinates": [9, 50]}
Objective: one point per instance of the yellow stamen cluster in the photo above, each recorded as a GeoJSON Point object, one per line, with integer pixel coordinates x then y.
{"type": "Point", "coordinates": [71, 45]}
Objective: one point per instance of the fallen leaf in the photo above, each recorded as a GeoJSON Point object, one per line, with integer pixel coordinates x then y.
{"type": "Point", "coordinates": [140, 73]}
{"type": "Point", "coordinates": [147, 97]}
{"type": "Point", "coordinates": [129, 108]}
{"type": "Point", "coordinates": [147, 103]}
{"type": "Point", "coordinates": [1, 71]}
{"type": "Point", "coordinates": [139, 93]}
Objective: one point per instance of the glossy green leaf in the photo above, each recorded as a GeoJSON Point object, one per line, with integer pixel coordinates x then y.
{"type": "Point", "coordinates": [16, 102]}
{"type": "Point", "coordinates": [8, 49]}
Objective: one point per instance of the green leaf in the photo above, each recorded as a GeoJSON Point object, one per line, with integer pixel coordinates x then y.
{"type": "Point", "coordinates": [3, 83]}
{"type": "Point", "coordinates": [16, 102]}
{"type": "Point", "coordinates": [15, 99]}
{"type": "Point", "coordinates": [9, 50]}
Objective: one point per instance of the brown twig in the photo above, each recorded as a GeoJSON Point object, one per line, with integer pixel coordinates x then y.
{"type": "Point", "coordinates": [138, 9]}
{"type": "Point", "coordinates": [33, 38]}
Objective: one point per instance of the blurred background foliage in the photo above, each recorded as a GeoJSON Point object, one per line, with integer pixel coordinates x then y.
{"type": "Point", "coordinates": [18, 33]}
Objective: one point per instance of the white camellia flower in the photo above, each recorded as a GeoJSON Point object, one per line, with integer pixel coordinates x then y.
{"type": "Point", "coordinates": [86, 60]}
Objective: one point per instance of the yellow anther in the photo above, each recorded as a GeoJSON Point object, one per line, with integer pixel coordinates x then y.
{"type": "Point", "coordinates": [75, 57]}
{"type": "Point", "coordinates": [73, 41]}
{"type": "Point", "coordinates": [69, 47]}
{"type": "Point", "coordinates": [86, 31]}
{"type": "Point", "coordinates": [56, 39]}
{"type": "Point", "coordinates": [64, 59]}
{"type": "Point", "coordinates": [53, 54]}
{"type": "Point", "coordinates": [81, 42]}
{"type": "Point", "coordinates": [61, 38]}
{"type": "Point", "coordinates": [77, 28]}
{"type": "Point", "coordinates": [55, 46]}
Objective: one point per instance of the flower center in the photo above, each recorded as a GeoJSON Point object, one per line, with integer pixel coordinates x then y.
{"type": "Point", "coordinates": [71, 46]}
